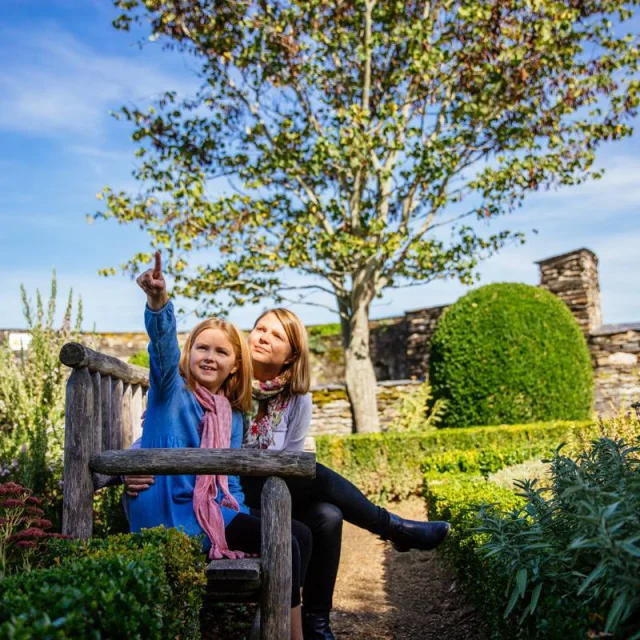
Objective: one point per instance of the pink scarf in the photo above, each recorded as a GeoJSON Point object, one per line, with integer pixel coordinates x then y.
{"type": "Point", "coordinates": [216, 434]}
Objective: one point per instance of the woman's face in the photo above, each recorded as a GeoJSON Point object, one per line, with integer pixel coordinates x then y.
{"type": "Point", "coordinates": [268, 343]}
{"type": "Point", "coordinates": [212, 359]}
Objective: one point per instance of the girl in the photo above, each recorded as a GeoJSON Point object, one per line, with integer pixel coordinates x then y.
{"type": "Point", "coordinates": [195, 400]}
{"type": "Point", "coordinates": [281, 416]}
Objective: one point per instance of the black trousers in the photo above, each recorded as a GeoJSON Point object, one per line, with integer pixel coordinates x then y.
{"type": "Point", "coordinates": [321, 503]}
{"type": "Point", "coordinates": [243, 534]}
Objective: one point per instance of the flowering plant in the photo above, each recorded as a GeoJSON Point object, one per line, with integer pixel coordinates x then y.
{"type": "Point", "coordinates": [22, 529]}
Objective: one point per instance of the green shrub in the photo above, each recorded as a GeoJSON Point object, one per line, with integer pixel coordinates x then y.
{"type": "Point", "coordinates": [573, 547]}
{"type": "Point", "coordinates": [32, 396]}
{"type": "Point", "coordinates": [147, 585]}
{"type": "Point", "coordinates": [140, 358]}
{"type": "Point", "coordinates": [510, 354]}
{"type": "Point", "coordinates": [458, 500]}
{"type": "Point", "coordinates": [387, 465]}
{"type": "Point", "coordinates": [486, 461]}
{"type": "Point", "coordinates": [416, 411]}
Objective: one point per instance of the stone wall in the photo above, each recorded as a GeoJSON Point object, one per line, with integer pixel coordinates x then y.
{"type": "Point", "coordinates": [615, 351]}
{"type": "Point", "coordinates": [332, 412]}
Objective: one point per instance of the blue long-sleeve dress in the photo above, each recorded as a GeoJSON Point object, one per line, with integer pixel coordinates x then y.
{"type": "Point", "coordinates": [171, 421]}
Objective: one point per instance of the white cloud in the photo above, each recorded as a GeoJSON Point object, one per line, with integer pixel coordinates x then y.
{"type": "Point", "coordinates": [57, 85]}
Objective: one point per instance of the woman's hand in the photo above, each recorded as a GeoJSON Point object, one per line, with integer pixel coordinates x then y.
{"type": "Point", "coordinates": [135, 484]}
{"type": "Point", "coordinates": [152, 282]}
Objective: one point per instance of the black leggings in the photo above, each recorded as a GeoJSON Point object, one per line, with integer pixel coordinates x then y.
{"type": "Point", "coordinates": [243, 534]}
{"type": "Point", "coordinates": [321, 503]}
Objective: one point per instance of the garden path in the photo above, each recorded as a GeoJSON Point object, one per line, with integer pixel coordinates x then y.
{"type": "Point", "coordinates": [385, 595]}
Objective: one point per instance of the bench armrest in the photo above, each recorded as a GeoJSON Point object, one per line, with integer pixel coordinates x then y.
{"type": "Point", "coordinates": [245, 462]}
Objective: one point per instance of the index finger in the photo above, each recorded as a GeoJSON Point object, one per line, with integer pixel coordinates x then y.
{"type": "Point", "coordinates": [157, 268]}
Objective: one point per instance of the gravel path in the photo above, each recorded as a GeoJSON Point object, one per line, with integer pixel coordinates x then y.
{"type": "Point", "coordinates": [387, 595]}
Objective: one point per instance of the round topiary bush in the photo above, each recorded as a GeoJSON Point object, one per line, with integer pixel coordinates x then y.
{"type": "Point", "coordinates": [510, 354]}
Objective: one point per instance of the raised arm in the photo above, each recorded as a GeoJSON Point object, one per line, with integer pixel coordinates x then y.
{"type": "Point", "coordinates": [160, 322]}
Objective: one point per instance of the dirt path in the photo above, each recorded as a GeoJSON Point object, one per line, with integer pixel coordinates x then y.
{"type": "Point", "coordinates": [387, 595]}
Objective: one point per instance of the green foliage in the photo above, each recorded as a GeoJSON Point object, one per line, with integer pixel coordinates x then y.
{"type": "Point", "coordinates": [387, 465]}
{"type": "Point", "coordinates": [486, 461]}
{"type": "Point", "coordinates": [140, 358]}
{"type": "Point", "coordinates": [510, 354]}
{"type": "Point", "coordinates": [32, 396]}
{"type": "Point", "coordinates": [573, 546]}
{"type": "Point", "coordinates": [416, 411]}
{"type": "Point", "coordinates": [108, 512]}
{"type": "Point", "coordinates": [458, 500]}
{"type": "Point", "coordinates": [147, 585]}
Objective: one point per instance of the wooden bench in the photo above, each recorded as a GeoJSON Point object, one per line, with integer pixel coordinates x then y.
{"type": "Point", "coordinates": [105, 399]}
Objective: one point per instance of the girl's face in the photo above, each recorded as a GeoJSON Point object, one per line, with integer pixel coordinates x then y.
{"type": "Point", "coordinates": [212, 359]}
{"type": "Point", "coordinates": [268, 343]}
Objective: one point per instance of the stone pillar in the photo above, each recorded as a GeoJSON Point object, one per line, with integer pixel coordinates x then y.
{"type": "Point", "coordinates": [573, 277]}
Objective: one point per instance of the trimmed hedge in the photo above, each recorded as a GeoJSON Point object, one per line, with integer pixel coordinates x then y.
{"type": "Point", "coordinates": [527, 559]}
{"type": "Point", "coordinates": [147, 585]}
{"type": "Point", "coordinates": [510, 354]}
{"type": "Point", "coordinates": [458, 501]}
{"type": "Point", "coordinates": [386, 466]}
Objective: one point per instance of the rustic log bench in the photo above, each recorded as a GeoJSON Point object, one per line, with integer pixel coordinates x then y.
{"type": "Point", "coordinates": [105, 399]}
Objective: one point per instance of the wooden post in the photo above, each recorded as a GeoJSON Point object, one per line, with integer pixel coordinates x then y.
{"type": "Point", "coordinates": [275, 602]}
{"type": "Point", "coordinates": [127, 432]}
{"type": "Point", "coordinates": [107, 416]}
{"type": "Point", "coordinates": [77, 510]}
{"type": "Point", "coordinates": [117, 392]}
{"type": "Point", "coordinates": [136, 412]}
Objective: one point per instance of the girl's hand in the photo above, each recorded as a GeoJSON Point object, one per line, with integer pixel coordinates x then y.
{"type": "Point", "coordinates": [152, 282]}
{"type": "Point", "coordinates": [135, 484]}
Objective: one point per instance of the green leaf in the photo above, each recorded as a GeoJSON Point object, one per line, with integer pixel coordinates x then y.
{"type": "Point", "coordinates": [521, 580]}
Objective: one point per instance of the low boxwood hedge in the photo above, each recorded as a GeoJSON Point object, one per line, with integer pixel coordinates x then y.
{"type": "Point", "coordinates": [387, 466]}
{"type": "Point", "coordinates": [147, 585]}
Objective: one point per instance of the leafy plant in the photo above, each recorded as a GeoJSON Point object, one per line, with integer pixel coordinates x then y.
{"type": "Point", "coordinates": [32, 397]}
{"type": "Point", "coordinates": [22, 529]}
{"type": "Point", "coordinates": [417, 411]}
{"type": "Point", "coordinates": [140, 358]}
{"type": "Point", "coordinates": [573, 546]}
{"type": "Point", "coordinates": [147, 585]}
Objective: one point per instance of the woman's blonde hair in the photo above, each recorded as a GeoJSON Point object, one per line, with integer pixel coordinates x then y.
{"type": "Point", "coordinates": [297, 336]}
{"type": "Point", "coordinates": [237, 386]}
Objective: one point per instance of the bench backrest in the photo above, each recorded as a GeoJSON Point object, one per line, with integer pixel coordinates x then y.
{"type": "Point", "coordinates": [104, 405]}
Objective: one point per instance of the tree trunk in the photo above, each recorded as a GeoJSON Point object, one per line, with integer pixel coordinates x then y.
{"type": "Point", "coordinates": [360, 375]}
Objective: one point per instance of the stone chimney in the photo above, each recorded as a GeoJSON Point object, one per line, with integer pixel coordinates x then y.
{"type": "Point", "coordinates": [573, 277]}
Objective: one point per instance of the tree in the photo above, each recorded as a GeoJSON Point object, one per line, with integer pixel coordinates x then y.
{"type": "Point", "coordinates": [349, 133]}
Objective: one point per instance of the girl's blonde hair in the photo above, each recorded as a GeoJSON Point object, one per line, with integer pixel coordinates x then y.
{"type": "Point", "coordinates": [237, 386]}
{"type": "Point", "coordinates": [297, 336]}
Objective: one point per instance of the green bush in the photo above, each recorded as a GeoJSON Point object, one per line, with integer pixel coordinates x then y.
{"type": "Point", "coordinates": [458, 500]}
{"type": "Point", "coordinates": [147, 585]}
{"type": "Point", "coordinates": [510, 354]}
{"type": "Point", "coordinates": [386, 466]}
{"type": "Point", "coordinates": [486, 461]}
{"type": "Point", "coordinates": [573, 547]}
{"type": "Point", "coordinates": [140, 358]}
{"type": "Point", "coordinates": [32, 396]}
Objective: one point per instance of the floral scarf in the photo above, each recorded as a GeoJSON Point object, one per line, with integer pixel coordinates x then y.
{"type": "Point", "coordinates": [260, 433]}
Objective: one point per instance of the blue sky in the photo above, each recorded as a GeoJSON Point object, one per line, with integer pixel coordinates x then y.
{"type": "Point", "coordinates": [65, 67]}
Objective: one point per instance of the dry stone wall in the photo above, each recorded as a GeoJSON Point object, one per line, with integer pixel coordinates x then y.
{"type": "Point", "coordinates": [332, 412]}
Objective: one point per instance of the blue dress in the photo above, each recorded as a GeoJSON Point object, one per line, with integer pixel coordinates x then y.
{"type": "Point", "coordinates": [171, 421]}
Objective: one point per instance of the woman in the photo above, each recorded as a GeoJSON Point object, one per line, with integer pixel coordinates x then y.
{"type": "Point", "coordinates": [280, 420]}
{"type": "Point", "coordinates": [196, 399]}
